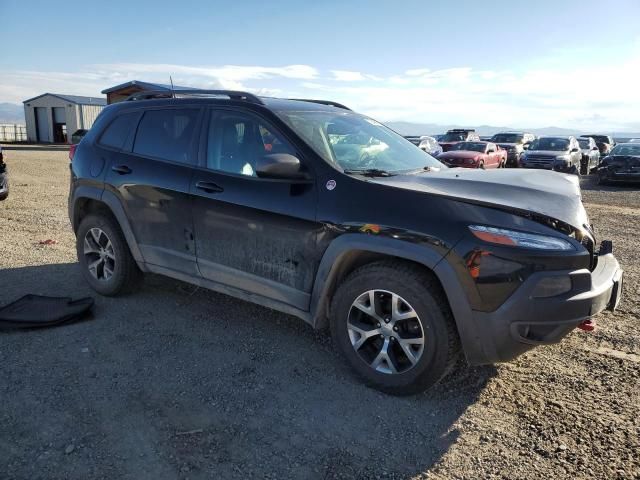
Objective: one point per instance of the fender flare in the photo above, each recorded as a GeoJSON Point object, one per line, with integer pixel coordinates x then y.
{"type": "Point", "coordinates": [427, 256]}
{"type": "Point", "coordinates": [115, 206]}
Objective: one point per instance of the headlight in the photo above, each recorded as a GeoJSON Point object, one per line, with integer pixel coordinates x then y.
{"type": "Point", "coordinates": [500, 236]}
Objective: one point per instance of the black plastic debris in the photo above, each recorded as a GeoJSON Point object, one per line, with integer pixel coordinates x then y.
{"type": "Point", "coordinates": [35, 311]}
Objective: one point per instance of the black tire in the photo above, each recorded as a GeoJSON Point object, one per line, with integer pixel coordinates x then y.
{"type": "Point", "coordinates": [584, 169]}
{"type": "Point", "coordinates": [424, 294]}
{"type": "Point", "coordinates": [481, 166]}
{"type": "Point", "coordinates": [126, 276]}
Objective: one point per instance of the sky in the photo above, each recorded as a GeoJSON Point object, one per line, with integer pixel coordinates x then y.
{"type": "Point", "coordinates": [565, 63]}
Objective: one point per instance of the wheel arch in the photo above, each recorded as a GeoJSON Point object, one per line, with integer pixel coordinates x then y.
{"type": "Point", "coordinates": [88, 201]}
{"type": "Point", "coordinates": [350, 251]}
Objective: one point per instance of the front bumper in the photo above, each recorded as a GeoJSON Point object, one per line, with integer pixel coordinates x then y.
{"type": "Point", "coordinates": [524, 321]}
{"type": "Point", "coordinates": [611, 175]}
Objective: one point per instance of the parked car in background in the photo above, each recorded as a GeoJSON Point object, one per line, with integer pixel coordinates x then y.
{"type": "Point", "coordinates": [604, 142]}
{"type": "Point", "coordinates": [411, 265]}
{"type": "Point", "coordinates": [621, 165]}
{"type": "Point", "coordinates": [456, 135]}
{"type": "Point", "coordinates": [634, 140]}
{"type": "Point", "coordinates": [561, 154]}
{"type": "Point", "coordinates": [78, 135]}
{"type": "Point", "coordinates": [515, 143]}
{"type": "Point", "coordinates": [485, 138]}
{"type": "Point", "coordinates": [474, 155]}
{"type": "Point", "coordinates": [590, 155]}
{"type": "Point", "coordinates": [430, 145]}
{"type": "Point", "coordinates": [4, 178]}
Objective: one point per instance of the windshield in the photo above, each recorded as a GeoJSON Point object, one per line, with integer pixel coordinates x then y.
{"type": "Point", "coordinates": [584, 142]}
{"type": "Point", "coordinates": [626, 149]}
{"type": "Point", "coordinates": [554, 144]}
{"type": "Point", "coordinates": [507, 138]}
{"type": "Point", "coordinates": [453, 137]}
{"type": "Point", "coordinates": [355, 142]}
{"type": "Point", "coordinates": [470, 146]}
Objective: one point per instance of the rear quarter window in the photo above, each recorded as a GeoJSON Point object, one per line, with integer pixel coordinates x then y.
{"type": "Point", "coordinates": [116, 134]}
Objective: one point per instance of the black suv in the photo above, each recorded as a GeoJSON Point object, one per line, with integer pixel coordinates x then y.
{"type": "Point", "coordinates": [457, 135]}
{"type": "Point", "coordinates": [4, 181]}
{"type": "Point", "coordinates": [314, 210]}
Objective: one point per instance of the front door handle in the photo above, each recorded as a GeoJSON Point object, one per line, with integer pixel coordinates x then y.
{"type": "Point", "coordinates": [121, 169]}
{"type": "Point", "coordinates": [209, 187]}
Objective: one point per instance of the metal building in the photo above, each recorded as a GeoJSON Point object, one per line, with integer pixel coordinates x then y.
{"type": "Point", "coordinates": [52, 118]}
{"type": "Point", "coordinates": [122, 91]}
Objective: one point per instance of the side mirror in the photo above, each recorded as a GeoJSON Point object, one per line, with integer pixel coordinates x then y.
{"type": "Point", "coordinates": [491, 150]}
{"type": "Point", "coordinates": [279, 165]}
{"type": "Point", "coordinates": [594, 148]}
{"type": "Point", "coordinates": [525, 146]}
{"type": "Point", "coordinates": [574, 150]}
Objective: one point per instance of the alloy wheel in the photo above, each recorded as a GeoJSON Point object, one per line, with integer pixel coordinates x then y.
{"type": "Point", "coordinates": [99, 254]}
{"type": "Point", "coordinates": [385, 331]}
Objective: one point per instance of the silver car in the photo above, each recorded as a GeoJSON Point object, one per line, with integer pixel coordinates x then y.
{"type": "Point", "coordinates": [562, 154]}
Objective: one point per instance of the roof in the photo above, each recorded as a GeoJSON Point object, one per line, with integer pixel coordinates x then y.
{"type": "Point", "coordinates": [78, 100]}
{"type": "Point", "coordinates": [144, 85]}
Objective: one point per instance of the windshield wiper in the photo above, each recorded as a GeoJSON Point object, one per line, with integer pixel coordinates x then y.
{"type": "Point", "coordinates": [369, 172]}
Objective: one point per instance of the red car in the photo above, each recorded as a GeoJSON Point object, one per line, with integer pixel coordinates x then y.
{"type": "Point", "coordinates": [475, 155]}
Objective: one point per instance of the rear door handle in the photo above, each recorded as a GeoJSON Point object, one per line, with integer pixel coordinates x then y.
{"type": "Point", "coordinates": [121, 169]}
{"type": "Point", "coordinates": [209, 187]}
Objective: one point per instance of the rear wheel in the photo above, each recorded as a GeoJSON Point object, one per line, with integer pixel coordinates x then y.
{"type": "Point", "coordinates": [393, 325]}
{"type": "Point", "coordinates": [481, 166]}
{"type": "Point", "coordinates": [104, 256]}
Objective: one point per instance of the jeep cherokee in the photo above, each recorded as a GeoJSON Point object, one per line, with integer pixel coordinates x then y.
{"type": "Point", "coordinates": [311, 209]}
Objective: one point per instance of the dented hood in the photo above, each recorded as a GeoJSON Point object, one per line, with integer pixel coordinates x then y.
{"type": "Point", "coordinates": [551, 194]}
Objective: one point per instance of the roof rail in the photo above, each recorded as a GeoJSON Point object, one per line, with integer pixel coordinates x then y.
{"type": "Point", "coordinates": [232, 94]}
{"type": "Point", "coordinates": [322, 102]}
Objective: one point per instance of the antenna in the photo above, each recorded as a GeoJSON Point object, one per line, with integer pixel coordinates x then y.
{"type": "Point", "coordinates": [173, 94]}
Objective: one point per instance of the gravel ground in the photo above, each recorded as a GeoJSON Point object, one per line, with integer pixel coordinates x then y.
{"type": "Point", "coordinates": [178, 382]}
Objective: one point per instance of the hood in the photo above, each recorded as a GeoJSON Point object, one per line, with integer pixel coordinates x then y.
{"type": "Point", "coordinates": [459, 154]}
{"type": "Point", "coordinates": [550, 194]}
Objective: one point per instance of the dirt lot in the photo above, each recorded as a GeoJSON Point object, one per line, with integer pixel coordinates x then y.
{"type": "Point", "coordinates": [175, 382]}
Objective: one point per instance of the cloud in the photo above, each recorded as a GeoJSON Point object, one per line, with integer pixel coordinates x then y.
{"type": "Point", "coordinates": [580, 96]}
{"type": "Point", "coordinates": [347, 76]}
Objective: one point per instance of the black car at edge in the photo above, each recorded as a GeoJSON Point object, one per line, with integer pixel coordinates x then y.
{"type": "Point", "coordinates": [308, 208]}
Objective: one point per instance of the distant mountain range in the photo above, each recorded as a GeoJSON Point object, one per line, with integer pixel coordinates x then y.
{"type": "Point", "coordinates": [11, 113]}
{"type": "Point", "coordinates": [410, 128]}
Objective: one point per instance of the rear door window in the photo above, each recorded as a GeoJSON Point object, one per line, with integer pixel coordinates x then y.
{"type": "Point", "coordinates": [167, 134]}
{"type": "Point", "coordinates": [116, 134]}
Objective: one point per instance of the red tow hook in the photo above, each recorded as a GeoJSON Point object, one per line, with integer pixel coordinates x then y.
{"type": "Point", "coordinates": [588, 325]}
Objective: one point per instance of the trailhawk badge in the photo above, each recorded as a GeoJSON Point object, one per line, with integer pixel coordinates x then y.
{"type": "Point", "coordinates": [331, 184]}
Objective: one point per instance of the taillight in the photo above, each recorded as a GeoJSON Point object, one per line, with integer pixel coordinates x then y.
{"type": "Point", "coordinates": [72, 151]}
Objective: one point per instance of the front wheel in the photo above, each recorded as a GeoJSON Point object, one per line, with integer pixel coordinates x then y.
{"type": "Point", "coordinates": [393, 325]}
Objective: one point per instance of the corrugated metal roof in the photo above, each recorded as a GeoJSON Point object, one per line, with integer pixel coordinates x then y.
{"type": "Point", "coordinates": [77, 99]}
{"type": "Point", "coordinates": [145, 85]}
